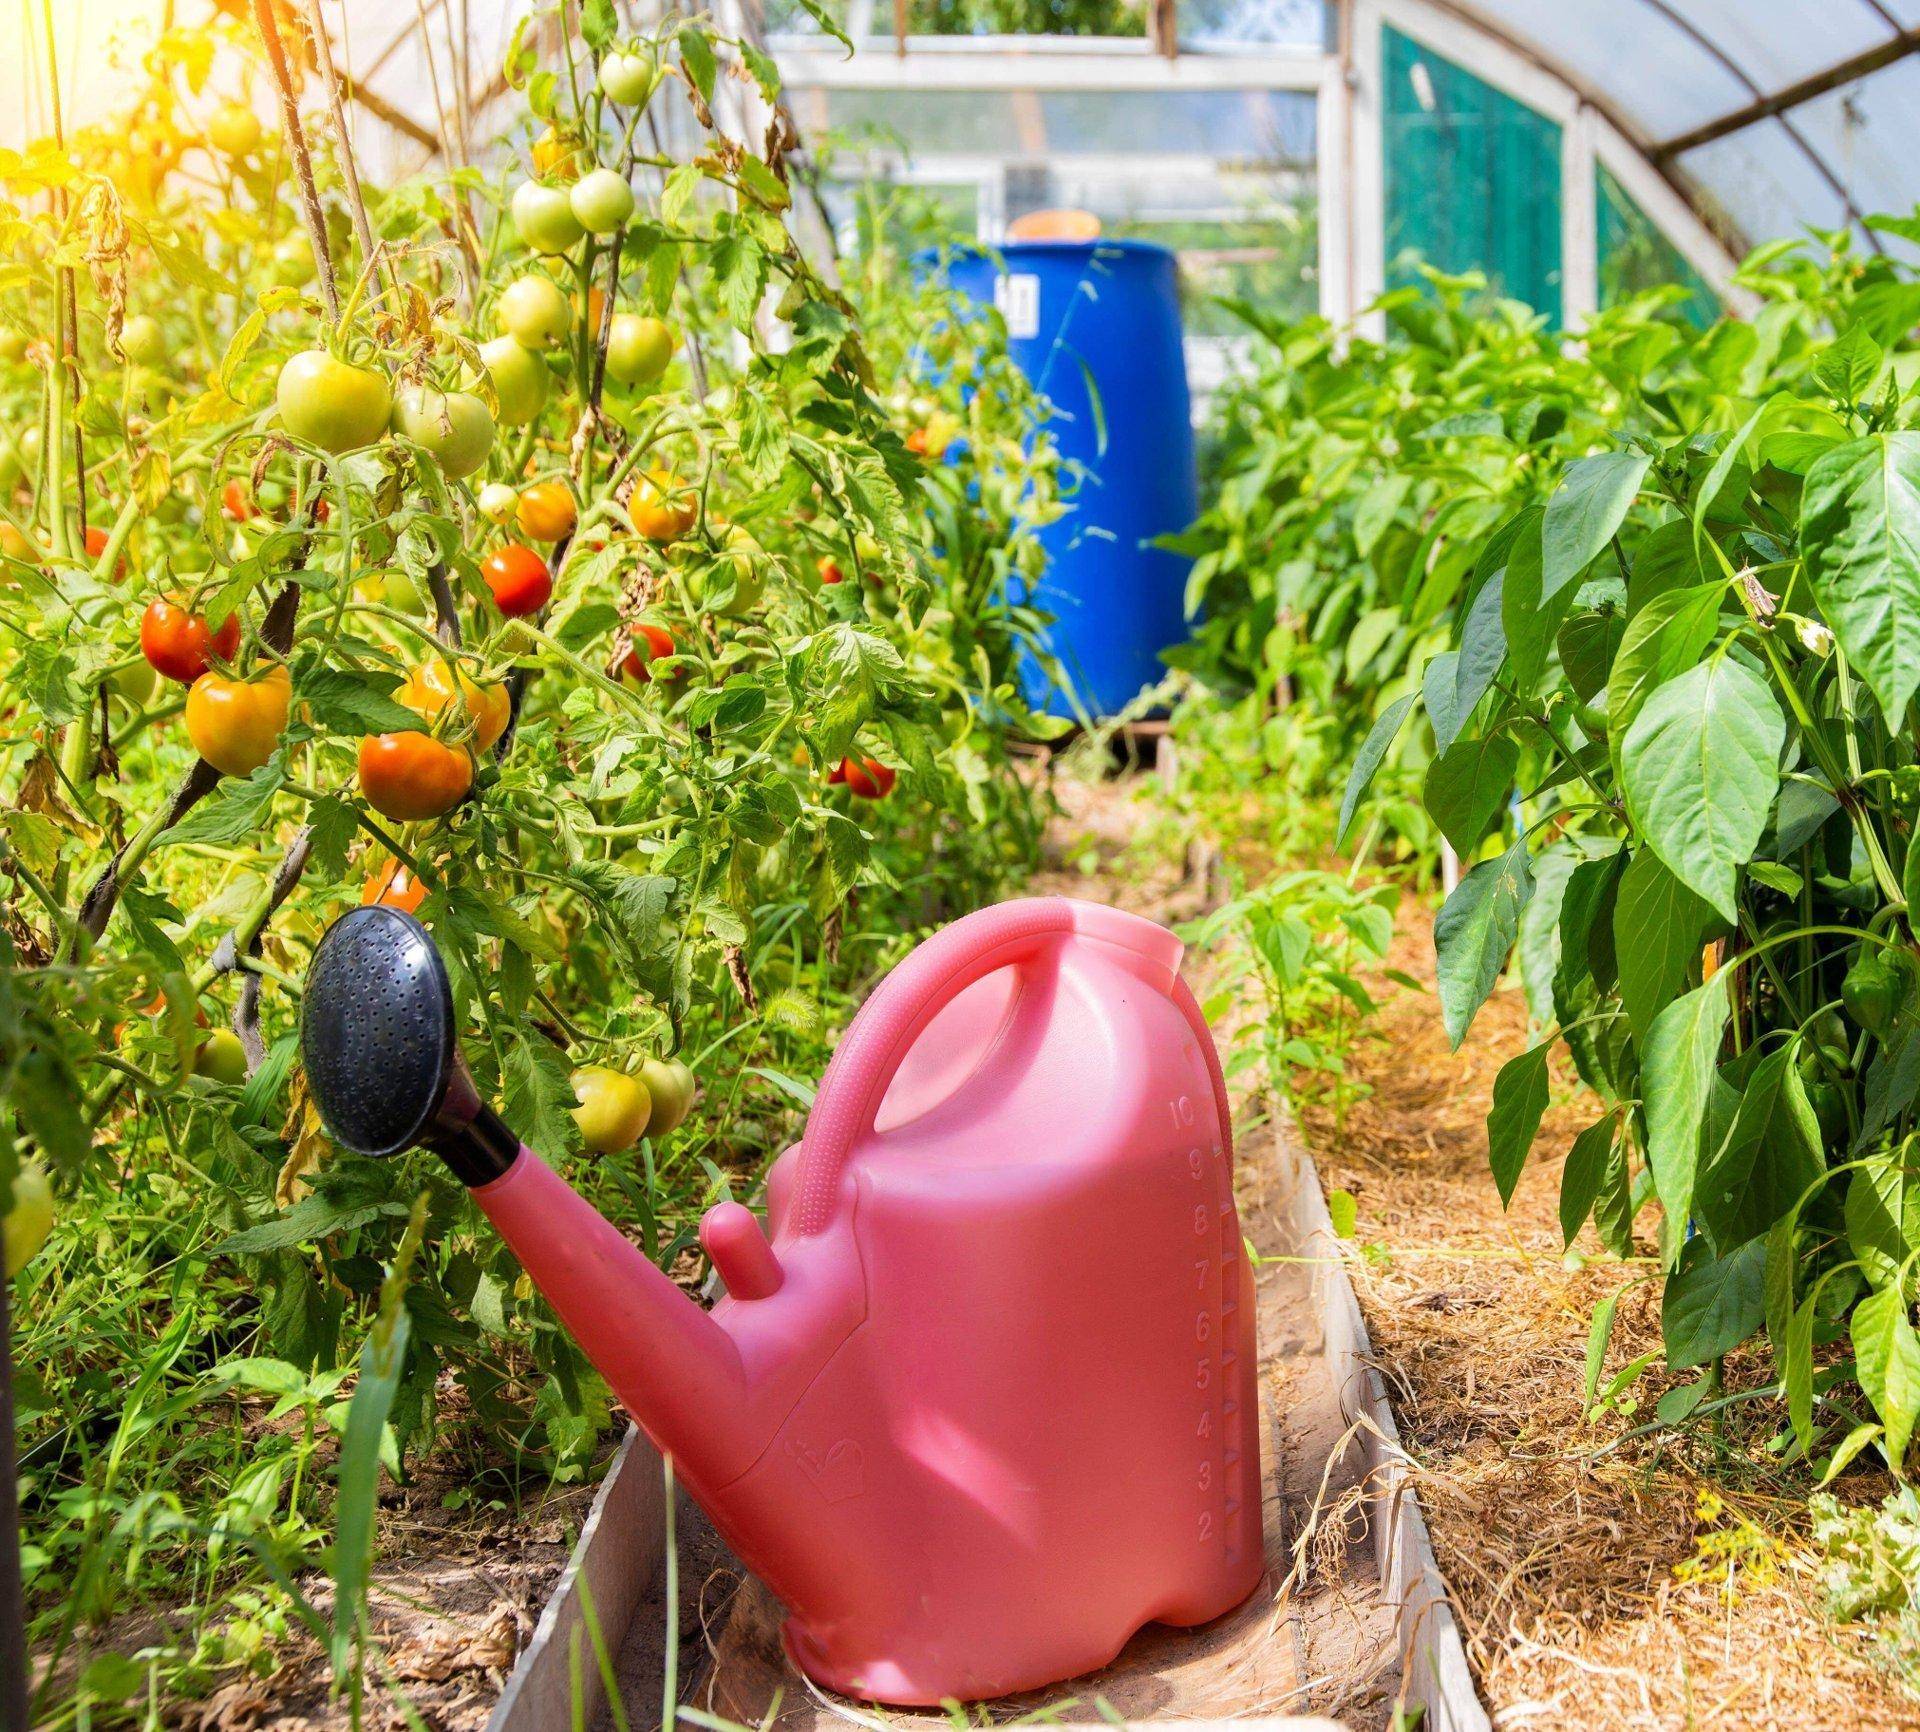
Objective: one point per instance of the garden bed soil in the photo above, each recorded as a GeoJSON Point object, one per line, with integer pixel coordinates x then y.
{"type": "Point", "coordinates": [1583, 1565]}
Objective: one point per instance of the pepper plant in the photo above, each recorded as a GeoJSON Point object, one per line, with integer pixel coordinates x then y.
{"type": "Point", "coordinates": [1675, 729]}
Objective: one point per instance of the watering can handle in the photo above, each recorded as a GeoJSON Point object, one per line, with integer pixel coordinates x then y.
{"type": "Point", "coordinates": [902, 1005]}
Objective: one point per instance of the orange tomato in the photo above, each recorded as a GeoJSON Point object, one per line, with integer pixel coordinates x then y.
{"type": "Point", "coordinates": [97, 545]}
{"type": "Point", "coordinates": [435, 684]}
{"type": "Point", "coordinates": [663, 507]}
{"type": "Point", "coordinates": [546, 511]}
{"type": "Point", "coordinates": [393, 886]}
{"type": "Point", "coordinates": [15, 546]}
{"type": "Point", "coordinates": [650, 643]}
{"type": "Point", "coordinates": [407, 777]}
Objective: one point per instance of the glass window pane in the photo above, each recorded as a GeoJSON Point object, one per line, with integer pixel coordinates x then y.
{"type": "Point", "coordinates": [1472, 178]}
{"type": "Point", "coordinates": [1210, 23]}
{"type": "Point", "coordinates": [1635, 255]}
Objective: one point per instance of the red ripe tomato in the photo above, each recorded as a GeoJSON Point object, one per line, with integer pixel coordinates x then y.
{"type": "Point", "coordinates": [519, 580]}
{"type": "Point", "coordinates": [180, 644]}
{"type": "Point", "coordinates": [97, 545]}
{"type": "Point", "coordinates": [236, 503]}
{"type": "Point", "coordinates": [828, 568]}
{"type": "Point", "coordinates": [650, 643]}
{"type": "Point", "coordinates": [867, 778]}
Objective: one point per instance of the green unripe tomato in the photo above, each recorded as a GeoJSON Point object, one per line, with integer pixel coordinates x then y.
{"type": "Point", "coordinates": [134, 682]}
{"type": "Point", "coordinates": [498, 502]}
{"type": "Point", "coordinates": [29, 1219]}
{"type": "Point", "coordinates": [221, 1058]}
{"type": "Point", "coordinates": [454, 427]}
{"type": "Point", "coordinates": [533, 311]}
{"type": "Point", "coordinates": [613, 1111]}
{"type": "Point", "coordinates": [670, 1084]}
{"type": "Point", "coordinates": [627, 79]}
{"type": "Point", "coordinates": [545, 218]}
{"type": "Point", "coordinates": [234, 130]}
{"type": "Point", "coordinates": [332, 404]}
{"type": "Point", "coordinates": [639, 349]}
{"type": "Point", "coordinates": [601, 201]}
{"type": "Point", "coordinates": [142, 340]}
{"type": "Point", "coordinates": [13, 344]}
{"type": "Point", "coordinates": [293, 264]}
{"type": "Point", "coordinates": [520, 379]}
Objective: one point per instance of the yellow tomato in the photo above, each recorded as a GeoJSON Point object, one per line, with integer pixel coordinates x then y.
{"type": "Point", "coordinates": [613, 1111]}
{"type": "Point", "coordinates": [30, 1219]}
{"type": "Point", "coordinates": [235, 724]}
{"type": "Point", "coordinates": [547, 511]}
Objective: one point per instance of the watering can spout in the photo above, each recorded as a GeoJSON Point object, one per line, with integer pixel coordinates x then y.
{"type": "Point", "coordinates": [378, 1040]}
{"type": "Point", "coordinates": [663, 1355]}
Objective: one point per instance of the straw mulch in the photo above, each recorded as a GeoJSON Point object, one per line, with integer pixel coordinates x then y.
{"type": "Point", "coordinates": [1591, 1584]}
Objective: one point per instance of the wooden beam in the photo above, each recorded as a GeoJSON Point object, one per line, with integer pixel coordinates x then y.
{"type": "Point", "coordinates": [1895, 48]}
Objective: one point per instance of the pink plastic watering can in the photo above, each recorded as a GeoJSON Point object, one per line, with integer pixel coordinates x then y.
{"type": "Point", "coordinates": [981, 1400]}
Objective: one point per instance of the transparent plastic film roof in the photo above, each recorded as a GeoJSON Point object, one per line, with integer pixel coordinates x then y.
{"type": "Point", "coordinates": [1294, 152]}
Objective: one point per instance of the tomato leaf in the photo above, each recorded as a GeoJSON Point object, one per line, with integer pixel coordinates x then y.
{"type": "Point", "coordinates": [344, 702]}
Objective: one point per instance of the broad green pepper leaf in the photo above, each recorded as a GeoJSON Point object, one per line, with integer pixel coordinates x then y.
{"type": "Point", "coordinates": [1366, 764]}
{"type": "Point", "coordinates": [1519, 1098]}
{"type": "Point", "coordinates": [1580, 1178]}
{"type": "Point", "coordinates": [1886, 1354]}
{"type": "Point", "coordinates": [1591, 504]}
{"type": "Point", "coordinates": [1676, 1076]}
{"type": "Point", "coordinates": [1699, 767]}
{"type": "Point", "coordinates": [1473, 933]}
{"type": "Point", "coordinates": [1712, 1304]}
{"type": "Point", "coordinates": [1666, 637]}
{"type": "Point", "coordinates": [1769, 1155]}
{"type": "Point", "coordinates": [1860, 539]}
{"type": "Point", "coordinates": [1883, 1213]}
{"type": "Point", "coordinates": [1467, 787]}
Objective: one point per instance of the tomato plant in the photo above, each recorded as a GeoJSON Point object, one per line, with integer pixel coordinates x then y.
{"type": "Point", "coordinates": [328, 411]}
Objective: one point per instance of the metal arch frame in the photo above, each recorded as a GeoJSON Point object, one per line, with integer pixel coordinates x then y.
{"type": "Point", "coordinates": [1823, 168]}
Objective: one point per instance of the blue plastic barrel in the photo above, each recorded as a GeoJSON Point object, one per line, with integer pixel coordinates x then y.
{"type": "Point", "coordinates": [1105, 315]}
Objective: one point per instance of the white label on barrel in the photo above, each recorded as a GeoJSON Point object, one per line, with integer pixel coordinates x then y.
{"type": "Point", "coordinates": [1018, 298]}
